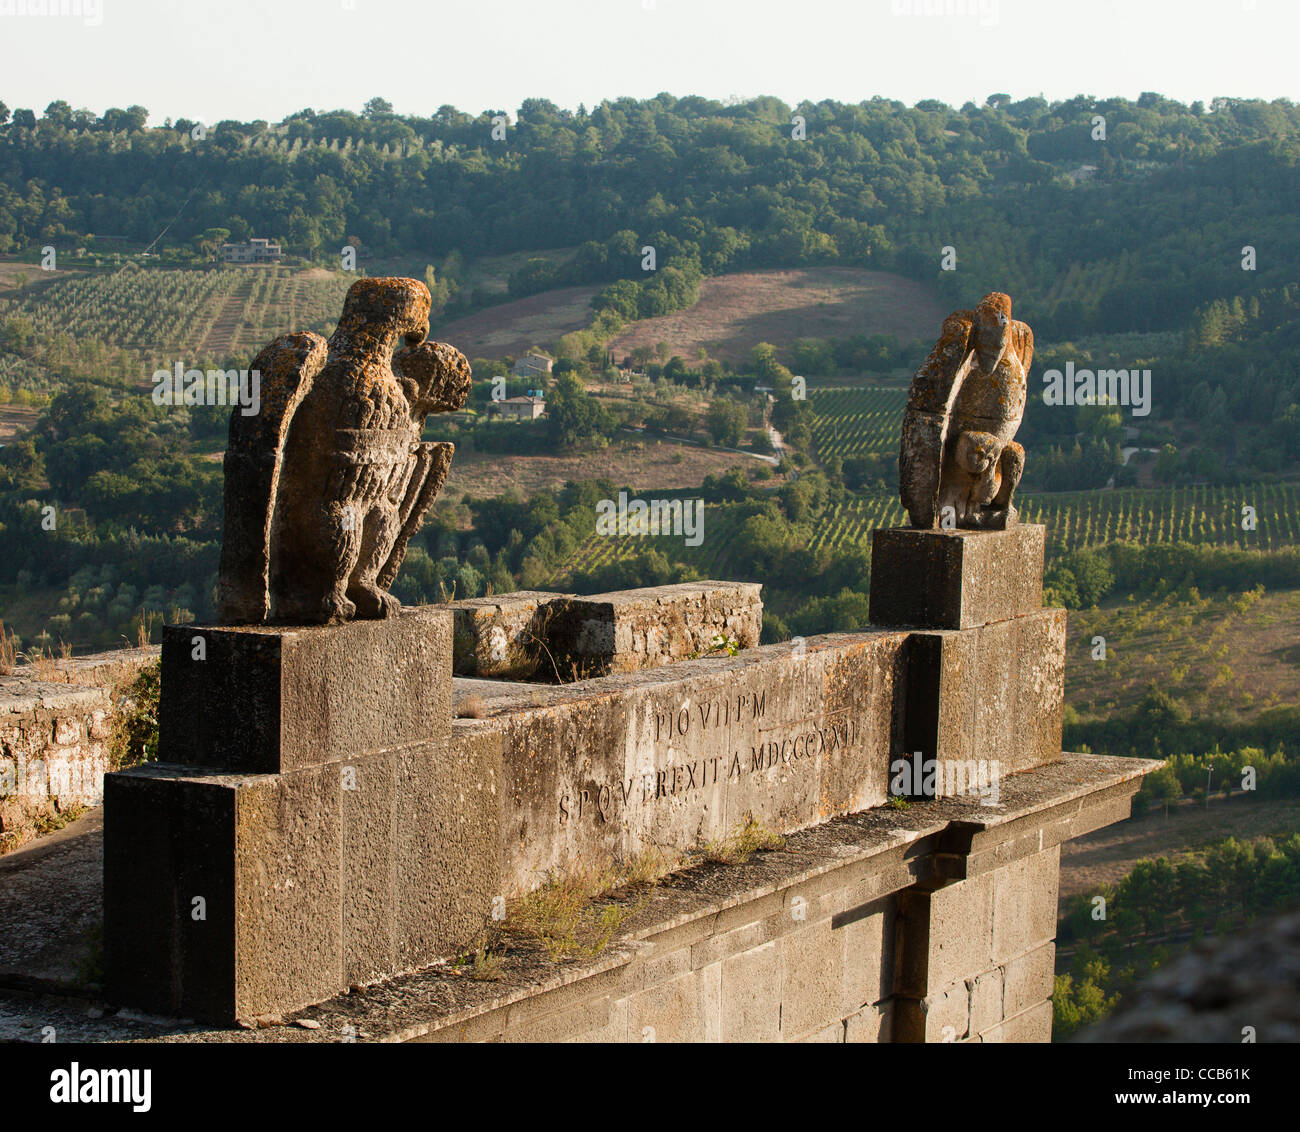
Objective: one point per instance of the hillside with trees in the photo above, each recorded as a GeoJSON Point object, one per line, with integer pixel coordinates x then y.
{"type": "Point", "coordinates": [1127, 232]}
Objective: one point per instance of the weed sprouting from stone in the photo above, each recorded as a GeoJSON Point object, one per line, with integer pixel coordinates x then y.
{"type": "Point", "coordinates": [134, 738]}
{"type": "Point", "coordinates": [737, 847]}
{"type": "Point", "coordinates": [51, 822]}
{"type": "Point", "coordinates": [471, 707]}
{"type": "Point", "coordinates": [575, 914]}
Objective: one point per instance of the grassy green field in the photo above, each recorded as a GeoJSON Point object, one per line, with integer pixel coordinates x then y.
{"type": "Point", "coordinates": [163, 315]}
{"type": "Point", "coordinates": [1074, 520]}
{"type": "Point", "coordinates": [1215, 655]}
{"type": "Point", "coordinates": [860, 421]}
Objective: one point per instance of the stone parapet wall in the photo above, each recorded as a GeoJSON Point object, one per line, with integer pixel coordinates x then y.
{"type": "Point", "coordinates": [55, 721]}
{"type": "Point", "coordinates": [435, 830]}
{"type": "Point", "coordinates": [633, 629]}
{"type": "Point", "coordinates": [554, 636]}
{"type": "Point", "coordinates": [349, 813]}
{"type": "Point", "coordinates": [53, 753]}
{"type": "Point", "coordinates": [501, 636]}
{"type": "Point", "coordinates": [928, 923]}
{"type": "Point", "coordinates": [789, 734]}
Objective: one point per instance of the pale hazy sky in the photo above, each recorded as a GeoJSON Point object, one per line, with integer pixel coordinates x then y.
{"type": "Point", "coordinates": [251, 59]}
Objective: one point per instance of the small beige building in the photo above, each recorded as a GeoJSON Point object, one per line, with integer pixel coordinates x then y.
{"type": "Point", "coordinates": [256, 250]}
{"type": "Point", "coordinates": [533, 365]}
{"type": "Point", "coordinates": [522, 408]}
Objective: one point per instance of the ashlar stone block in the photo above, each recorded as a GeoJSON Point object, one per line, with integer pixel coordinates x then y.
{"type": "Point", "coordinates": [263, 699]}
{"type": "Point", "coordinates": [955, 579]}
{"type": "Point", "coordinates": [1029, 979]}
{"type": "Point", "coordinates": [988, 695]}
{"type": "Point", "coordinates": [633, 629]}
{"type": "Point", "coordinates": [231, 895]}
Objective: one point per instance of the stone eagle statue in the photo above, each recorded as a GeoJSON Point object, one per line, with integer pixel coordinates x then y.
{"type": "Point", "coordinates": [328, 481]}
{"type": "Point", "coordinates": [958, 465]}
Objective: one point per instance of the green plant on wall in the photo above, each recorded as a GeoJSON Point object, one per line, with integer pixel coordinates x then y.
{"type": "Point", "coordinates": [134, 739]}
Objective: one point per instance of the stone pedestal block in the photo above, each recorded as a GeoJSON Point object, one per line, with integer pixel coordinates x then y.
{"type": "Point", "coordinates": [266, 699]}
{"type": "Point", "coordinates": [301, 833]}
{"type": "Point", "coordinates": [633, 629]}
{"type": "Point", "coordinates": [992, 694]}
{"type": "Point", "coordinates": [231, 895]}
{"type": "Point", "coordinates": [956, 579]}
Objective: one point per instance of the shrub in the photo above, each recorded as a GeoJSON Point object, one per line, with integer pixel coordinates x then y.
{"type": "Point", "coordinates": [134, 738]}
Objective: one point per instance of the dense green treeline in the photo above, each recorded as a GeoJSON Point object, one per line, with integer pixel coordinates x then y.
{"type": "Point", "coordinates": [1245, 771]}
{"type": "Point", "coordinates": [1124, 932]}
{"type": "Point", "coordinates": [1166, 221]}
{"type": "Point", "coordinates": [120, 468]}
{"type": "Point", "coordinates": [107, 503]}
{"type": "Point", "coordinates": [1163, 723]}
{"type": "Point", "coordinates": [1129, 231]}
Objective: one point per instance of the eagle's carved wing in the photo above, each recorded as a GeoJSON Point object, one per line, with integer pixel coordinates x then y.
{"type": "Point", "coordinates": [930, 399]}
{"type": "Point", "coordinates": [430, 463]}
{"type": "Point", "coordinates": [436, 378]}
{"type": "Point", "coordinates": [1022, 339]}
{"type": "Point", "coordinates": [286, 368]}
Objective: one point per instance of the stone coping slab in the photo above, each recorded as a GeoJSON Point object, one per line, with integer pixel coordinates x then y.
{"type": "Point", "coordinates": [530, 632]}
{"type": "Point", "coordinates": [1058, 801]}
{"type": "Point", "coordinates": [507, 697]}
{"type": "Point", "coordinates": [19, 696]}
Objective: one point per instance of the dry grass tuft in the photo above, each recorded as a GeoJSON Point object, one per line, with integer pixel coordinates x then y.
{"type": "Point", "coordinates": [8, 651]}
{"type": "Point", "coordinates": [650, 866]}
{"type": "Point", "coordinates": [737, 847]}
{"type": "Point", "coordinates": [44, 666]}
{"type": "Point", "coordinates": [575, 914]}
{"type": "Point", "coordinates": [471, 707]}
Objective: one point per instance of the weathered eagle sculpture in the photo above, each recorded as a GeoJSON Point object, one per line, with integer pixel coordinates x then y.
{"type": "Point", "coordinates": [328, 481]}
{"type": "Point", "coordinates": [958, 464]}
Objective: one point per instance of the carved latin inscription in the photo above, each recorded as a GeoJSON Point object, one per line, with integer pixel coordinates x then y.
{"type": "Point", "coordinates": [794, 745]}
{"type": "Point", "coordinates": [709, 715]}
